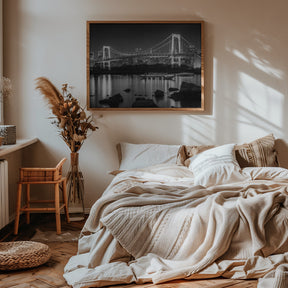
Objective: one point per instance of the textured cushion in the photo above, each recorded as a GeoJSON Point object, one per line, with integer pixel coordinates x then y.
{"type": "Point", "coordinates": [216, 166]}
{"type": "Point", "coordinates": [259, 153]}
{"type": "Point", "coordinates": [185, 152]}
{"type": "Point", "coordinates": [23, 254]}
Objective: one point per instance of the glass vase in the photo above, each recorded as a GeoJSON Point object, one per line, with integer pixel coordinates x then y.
{"type": "Point", "coordinates": [75, 188]}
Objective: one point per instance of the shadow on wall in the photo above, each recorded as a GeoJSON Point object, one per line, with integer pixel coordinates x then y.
{"type": "Point", "coordinates": [49, 158]}
{"type": "Point", "coordinates": [249, 94]}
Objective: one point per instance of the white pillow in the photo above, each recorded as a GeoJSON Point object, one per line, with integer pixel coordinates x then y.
{"type": "Point", "coordinates": [216, 166]}
{"type": "Point", "coordinates": [136, 156]}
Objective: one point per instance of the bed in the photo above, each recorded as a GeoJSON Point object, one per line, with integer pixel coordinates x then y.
{"type": "Point", "coordinates": [188, 212]}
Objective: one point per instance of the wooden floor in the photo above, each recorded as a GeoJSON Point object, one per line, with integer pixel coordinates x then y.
{"type": "Point", "coordinates": [49, 275]}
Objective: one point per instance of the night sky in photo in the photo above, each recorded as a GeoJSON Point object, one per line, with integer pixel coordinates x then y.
{"type": "Point", "coordinates": [126, 37]}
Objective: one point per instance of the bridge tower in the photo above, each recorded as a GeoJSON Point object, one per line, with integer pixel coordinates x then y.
{"type": "Point", "coordinates": [106, 55]}
{"type": "Point", "coordinates": [176, 48]}
{"type": "Point", "coordinates": [92, 59]}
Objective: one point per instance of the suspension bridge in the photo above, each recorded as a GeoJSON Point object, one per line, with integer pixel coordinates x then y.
{"type": "Point", "coordinates": [174, 51]}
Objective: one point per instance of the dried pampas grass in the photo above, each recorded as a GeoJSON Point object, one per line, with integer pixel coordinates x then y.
{"type": "Point", "coordinates": [51, 94]}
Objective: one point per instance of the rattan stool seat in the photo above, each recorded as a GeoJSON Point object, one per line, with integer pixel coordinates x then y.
{"type": "Point", "coordinates": [23, 254]}
{"type": "Point", "coordinates": [52, 176]}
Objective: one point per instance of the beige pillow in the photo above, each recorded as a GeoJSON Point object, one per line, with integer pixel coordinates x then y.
{"type": "Point", "coordinates": [259, 153]}
{"type": "Point", "coordinates": [185, 152]}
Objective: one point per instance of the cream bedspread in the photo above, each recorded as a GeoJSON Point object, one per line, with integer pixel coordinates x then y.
{"type": "Point", "coordinates": [155, 225]}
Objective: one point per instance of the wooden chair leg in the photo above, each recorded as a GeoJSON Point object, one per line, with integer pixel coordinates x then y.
{"type": "Point", "coordinates": [28, 203]}
{"type": "Point", "coordinates": [57, 209]}
{"type": "Point", "coordinates": [64, 191]}
{"type": "Point", "coordinates": [18, 207]}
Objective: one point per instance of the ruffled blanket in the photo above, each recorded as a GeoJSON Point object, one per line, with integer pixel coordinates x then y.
{"type": "Point", "coordinates": [155, 225]}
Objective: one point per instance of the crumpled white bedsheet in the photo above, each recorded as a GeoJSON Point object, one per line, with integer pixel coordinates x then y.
{"type": "Point", "coordinates": [277, 278]}
{"type": "Point", "coordinates": [154, 225]}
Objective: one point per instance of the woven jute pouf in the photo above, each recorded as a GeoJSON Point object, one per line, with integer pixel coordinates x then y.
{"type": "Point", "coordinates": [23, 254]}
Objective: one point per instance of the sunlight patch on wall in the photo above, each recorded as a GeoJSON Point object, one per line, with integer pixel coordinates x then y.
{"type": "Point", "coordinates": [240, 55]}
{"type": "Point", "coordinates": [196, 129]}
{"type": "Point", "coordinates": [259, 106]}
{"type": "Point", "coordinates": [264, 65]}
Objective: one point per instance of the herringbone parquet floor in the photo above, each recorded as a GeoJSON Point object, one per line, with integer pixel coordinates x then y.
{"type": "Point", "coordinates": [50, 274]}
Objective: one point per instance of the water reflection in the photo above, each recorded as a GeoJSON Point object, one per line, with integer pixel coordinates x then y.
{"type": "Point", "coordinates": [125, 91]}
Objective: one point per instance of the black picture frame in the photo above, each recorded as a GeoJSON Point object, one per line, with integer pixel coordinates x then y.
{"type": "Point", "coordinates": [143, 65]}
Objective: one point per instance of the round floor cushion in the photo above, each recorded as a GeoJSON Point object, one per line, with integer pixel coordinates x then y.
{"type": "Point", "coordinates": [23, 254]}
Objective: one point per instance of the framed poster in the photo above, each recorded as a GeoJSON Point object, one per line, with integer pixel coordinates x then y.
{"type": "Point", "coordinates": [145, 65]}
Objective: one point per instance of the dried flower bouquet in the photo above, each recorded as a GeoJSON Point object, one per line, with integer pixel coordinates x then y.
{"type": "Point", "coordinates": [5, 88]}
{"type": "Point", "coordinates": [71, 117]}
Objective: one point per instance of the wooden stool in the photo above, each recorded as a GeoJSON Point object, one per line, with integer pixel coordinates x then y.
{"type": "Point", "coordinates": [42, 176]}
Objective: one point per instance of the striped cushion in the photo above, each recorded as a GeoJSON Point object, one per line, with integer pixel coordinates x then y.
{"type": "Point", "coordinates": [259, 153]}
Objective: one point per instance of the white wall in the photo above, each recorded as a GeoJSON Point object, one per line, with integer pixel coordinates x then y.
{"type": "Point", "coordinates": [1, 59]}
{"type": "Point", "coordinates": [246, 75]}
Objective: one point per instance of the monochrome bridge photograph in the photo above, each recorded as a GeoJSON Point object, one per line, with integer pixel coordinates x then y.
{"type": "Point", "coordinates": [145, 65]}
